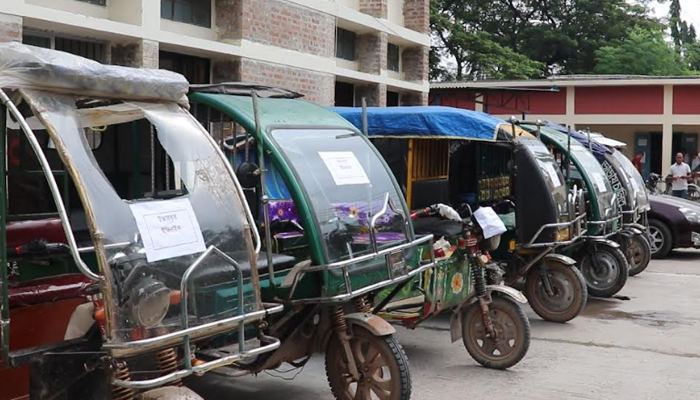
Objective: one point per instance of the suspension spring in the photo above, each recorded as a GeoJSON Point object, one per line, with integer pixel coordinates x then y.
{"type": "Point", "coordinates": [166, 361]}
{"type": "Point", "coordinates": [340, 325]}
{"type": "Point", "coordinates": [362, 305]}
{"type": "Point", "coordinates": [122, 373]}
{"type": "Point", "coordinates": [478, 276]}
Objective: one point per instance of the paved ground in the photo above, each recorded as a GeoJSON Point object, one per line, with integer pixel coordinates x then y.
{"type": "Point", "coordinates": [643, 345]}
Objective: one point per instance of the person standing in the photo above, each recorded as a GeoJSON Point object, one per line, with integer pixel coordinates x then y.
{"type": "Point", "coordinates": [679, 175]}
{"type": "Point", "coordinates": [637, 161]}
{"type": "Point", "coordinates": [694, 160]}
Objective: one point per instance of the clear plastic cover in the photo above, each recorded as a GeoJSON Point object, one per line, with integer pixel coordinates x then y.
{"type": "Point", "coordinates": [30, 67]}
{"type": "Point", "coordinates": [204, 185]}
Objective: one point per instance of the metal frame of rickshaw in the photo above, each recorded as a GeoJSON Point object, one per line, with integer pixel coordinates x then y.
{"type": "Point", "coordinates": [181, 337]}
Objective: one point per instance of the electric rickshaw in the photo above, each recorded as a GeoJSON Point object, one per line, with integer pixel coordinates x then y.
{"type": "Point", "coordinates": [127, 244]}
{"type": "Point", "coordinates": [455, 156]}
{"type": "Point", "coordinates": [632, 197]}
{"type": "Point", "coordinates": [336, 230]}
{"type": "Point", "coordinates": [464, 282]}
{"type": "Point", "coordinates": [600, 258]}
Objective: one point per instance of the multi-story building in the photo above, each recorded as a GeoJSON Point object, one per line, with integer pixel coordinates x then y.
{"type": "Point", "coordinates": [332, 51]}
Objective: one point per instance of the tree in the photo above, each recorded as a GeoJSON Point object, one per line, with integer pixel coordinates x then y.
{"type": "Point", "coordinates": [561, 35]}
{"type": "Point", "coordinates": [643, 52]}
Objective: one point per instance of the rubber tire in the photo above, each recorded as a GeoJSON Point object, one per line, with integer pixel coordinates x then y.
{"type": "Point", "coordinates": [503, 303]}
{"type": "Point", "coordinates": [390, 346]}
{"type": "Point", "coordinates": [668, 239]}
{"type": "Point", "coordinates": [646, 257]}
{"type": "Point", "coordinates": [621, 260]}
{"type": "Point", "coordinates": [532, 284]}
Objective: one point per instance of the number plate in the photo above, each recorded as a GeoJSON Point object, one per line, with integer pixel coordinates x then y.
{"type": "Point", "coordinates": [397, 263]}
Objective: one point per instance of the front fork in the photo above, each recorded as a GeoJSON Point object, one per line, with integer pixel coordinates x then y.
{"type": "Point", "coordinates": [477, 265]}
{"type": "Point", "coordinates": [341, 328]}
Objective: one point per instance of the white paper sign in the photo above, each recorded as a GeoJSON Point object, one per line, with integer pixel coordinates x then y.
{"type": "Point", "coordinates": [168, 229]}
{"type": "Point", "coordinates": [599, 181]}
{"type": "Point", "coordinates": [552, 174]}
{"type": "Point", "coordinates": [344, 167]}
{"type": "Point", "coordinates": [489, 222]}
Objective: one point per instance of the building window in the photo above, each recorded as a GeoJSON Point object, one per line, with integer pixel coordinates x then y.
{"type": "Point", "coordinates": [95, 2]}
{"type": "Point", "coordinates": [195, 69]}
{"type": "Point", "coordinates": [194, 12]}
{"type": "Point", "coordinates": [345, 44]}
{"type": "Point", "coordinates": [344, 94]}
{"type": "Point", "coordinates": [392, 57]}
{"type": "Point", "coordinates": [392, 99]}
{"type": "Point", "coordinates": [93, 50]}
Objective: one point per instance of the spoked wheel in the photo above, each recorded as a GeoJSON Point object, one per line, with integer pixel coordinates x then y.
{"type": "Point", "coordinates": [638, 254]}
{"type": "Point", "coordinates": [381, 362]}
{"type": "Point", "coordinates": [660, 239]}
{"type": "Point", "coordinates": [512, 334]}
{"type": "Point", "coordinates": [605, 270]}
{"type": "Point", "coordinates": [569, 293]}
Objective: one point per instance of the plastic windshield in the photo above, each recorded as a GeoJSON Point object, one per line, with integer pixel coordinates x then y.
{"type": "Point", "coordinates": [591, 168]}
{"type": "Point", "coordinates": [549, 168]}
{"type": "Point", "coordinates": [346, 183]}
{"type": "Point", "coordinates": [139, 241]}
{"type": "Point", "coordinates": [635, 178]}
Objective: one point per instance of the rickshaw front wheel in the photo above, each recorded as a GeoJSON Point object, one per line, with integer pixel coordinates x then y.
{"type": "Point", "coordinates": [381, 362]}
{"type": "Point", "coordinates": [569, 292]}
{"type": "Point", "coordinates": [638, 254]}
{"type": "Point", "coordinates": [605, 270]}
{"type": "Point", "coordinates": [512, 334]}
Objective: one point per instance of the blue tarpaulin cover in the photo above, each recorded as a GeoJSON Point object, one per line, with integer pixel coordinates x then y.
{"type": "Point", "coordinates": [428, 121]}
{"type": "Point", "coordinates": [598, 150]}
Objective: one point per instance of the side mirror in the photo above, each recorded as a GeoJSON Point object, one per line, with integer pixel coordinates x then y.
{"type": "Point", "coordinates": [248, 175]}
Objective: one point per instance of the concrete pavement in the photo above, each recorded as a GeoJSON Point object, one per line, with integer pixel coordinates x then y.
{"type": "Point", "coordinates": [644, 344]}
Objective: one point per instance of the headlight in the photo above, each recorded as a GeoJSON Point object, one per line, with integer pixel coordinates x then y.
{"type": "Point", "coordinates": [690, 215]}
{"type": "Point", "coordinates": [491, 243]}
{"type": "Point", "coordinates": [150, 301]}
{"type": "Point", "coordinates": [563, 235]}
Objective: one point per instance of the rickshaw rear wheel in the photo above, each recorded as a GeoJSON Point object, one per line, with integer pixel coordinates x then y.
{"type": "Point", "coordinates": [611, 274]}
{"type": "Point", "coordinates": [381, 361]}
{"type": "Point", "coordinates": [569, 297]}
{"type": "Point", "coordinates": [638, 254]}
{"type": "Point", "coordinates": [512, 328]}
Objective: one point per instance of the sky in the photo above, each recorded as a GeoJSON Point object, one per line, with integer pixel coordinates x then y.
{"type": "Point", "coordinates": [690, 11]}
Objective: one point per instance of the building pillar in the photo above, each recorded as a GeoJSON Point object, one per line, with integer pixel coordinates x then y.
{"type": "Point", "coordinates": [374, 93]}
{"type": "Point", "coordinates": [140, 54]}
{"type": "Point", "coordinates": [414, 99]}
{"type": "Point", "coordinates": [415, 63]}
{"type": "Point", "coordinates": [229, 20]}
{"type": "Point", "coordinates": [10, 28]}
{"type": "Point", "coordinates": [667, 156]}
{"type": "Point", "coordinates": [416, 15]}
{"type": "Point", "coordinates": [226, 70]}
{"type": "Point", "coordinates": [375, 8]}
{"type": "Point", "coordinates": [370, 51]}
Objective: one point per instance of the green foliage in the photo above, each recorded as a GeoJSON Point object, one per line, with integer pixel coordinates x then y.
{"type": "Point", "coordinates": [643, 52]}
{"type": "Point", "coordinates": [504, 39]}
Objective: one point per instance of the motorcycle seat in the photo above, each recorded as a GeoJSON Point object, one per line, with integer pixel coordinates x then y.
{"type": "Point", "coordinates": [437, 226]}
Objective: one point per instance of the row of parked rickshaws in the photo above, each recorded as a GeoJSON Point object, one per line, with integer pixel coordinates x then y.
{"type": "Point", "coordinates": [156, 231]}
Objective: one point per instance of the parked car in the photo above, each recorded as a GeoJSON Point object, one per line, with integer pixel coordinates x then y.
{"type": "Point", "coordinates": [673, 223]}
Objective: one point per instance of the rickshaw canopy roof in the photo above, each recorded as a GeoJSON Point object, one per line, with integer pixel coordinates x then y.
{"type": "Point", "coordinates": [598, 150]}
{"type": "Point", "coordinates": [29, 67]}
{"type": "Point", "coordinates": [272, 111]}
{"type": "Point", "coordinates": [424, 122]}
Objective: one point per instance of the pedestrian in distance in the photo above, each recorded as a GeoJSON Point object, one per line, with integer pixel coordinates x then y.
{"type": "Point", "coordinates": [678, 175]}
{"type": "Point", "coordinates": [637, 161]}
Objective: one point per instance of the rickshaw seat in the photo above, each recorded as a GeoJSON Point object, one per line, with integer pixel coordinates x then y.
{"type": "Point", "coordinates": [437, 226]}
{"type": "Point", "coordinates": [46, 290]}
{"type": "Point", "coordinates": [282, 262]}
{"type": "Point", "coordinates": [23, 232]}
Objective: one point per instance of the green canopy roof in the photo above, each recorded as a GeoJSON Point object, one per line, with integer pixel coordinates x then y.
{"type": "Point", "coordinates": [289, 112]}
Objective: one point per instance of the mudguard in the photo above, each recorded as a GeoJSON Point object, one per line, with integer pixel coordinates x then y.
{"type": "Point", "coordinates": [560, 258]}
{"type": "Point", "coordinates": [376, 325]}
{"type": "Point", "coordinates": [607, 242]}
{"type": "Point", "coordinates": [170, 393]}
{"type": "Point", "coordinates": [502, 290]}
